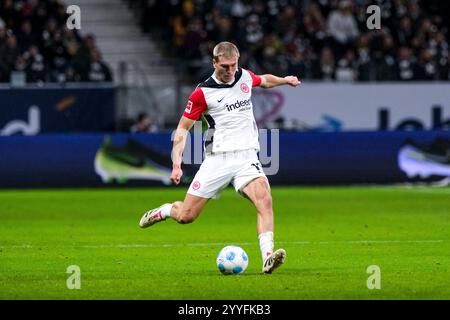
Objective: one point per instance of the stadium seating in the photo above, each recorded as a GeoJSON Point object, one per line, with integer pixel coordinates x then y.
{"type": "Point", "coordinates": [35, 42]}
{"type": "Point", "coordinates": [305, 37]}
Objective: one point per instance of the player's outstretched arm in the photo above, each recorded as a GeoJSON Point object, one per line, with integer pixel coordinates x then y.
{"type": "Point", "coordinates": [179, 142]}
{"type": "Point", "coordinates": [270, 81]}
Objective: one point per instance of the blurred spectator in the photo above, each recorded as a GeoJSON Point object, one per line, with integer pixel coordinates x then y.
{"type": "Point", "coordinates": [406, 65]}
{"type": "Point", "coordinates": [143, 124]}
{"type": "Point", "coordinates": [326, 65]}
{"type": "Point", "coordinates": [364, 58]}
{"type": "Point", "coordinates": [26, 37]}
{"type": "Point", "coordinates": [20, 64]}
{"type": "Point", "coordinates": [271, 54]}
{"type": "Point", "coordinates": [8, 13]}
{"type": "Point", "coordinates": [287, 20]}
{"type": "Point", "coordinates": [9, 54]}
{"type": "Point", "coordinates": [36, 69]}
{"type": "Point", "coordinates": [82, 56]}
{"type": "Point", "coordinates": [97, 70]}
{"type": "Point", "coordinates": [405, 32]}
{"type": "Point", "coordinates": [427, 68]}
{"type": "Point", "coordinates": [58, 58]}
{"type": "Point", "coordinates": [342, 27]}
{"type": "Point", "coordinates": [223, 28]}
{"type": "Point", "coordinates": [315, 25]}
{"type": "Point", "coordinates": [346, 69]}
{"type": "Point", "coordinates": [384, 60]}
{"type": "Point", "coordinates": [253, 30]}
{"type": "Point", "coordinates": [193, 39]}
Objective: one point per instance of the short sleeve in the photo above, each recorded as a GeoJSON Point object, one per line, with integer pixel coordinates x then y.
{"type": "Point", "coordinates": [255, 78]}
{"type": "Point", "coordinates": [196, 105]}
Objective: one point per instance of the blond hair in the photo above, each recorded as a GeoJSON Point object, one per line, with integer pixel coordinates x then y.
{"type": "Point", "coordinates": [225, 49]}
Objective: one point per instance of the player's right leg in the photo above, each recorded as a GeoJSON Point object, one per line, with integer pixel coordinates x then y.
{"type": "Point", "coordinates": [188, 210]}
{"type": "Point", "coordinates": [209, 181]}
{"type": "Point", "coordinates": [183, 212]}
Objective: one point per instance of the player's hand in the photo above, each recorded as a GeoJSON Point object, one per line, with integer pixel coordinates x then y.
{"type": "Point", "coordinates": [292, 81]}
{"type": "Point", "coordinates": [176, 175]}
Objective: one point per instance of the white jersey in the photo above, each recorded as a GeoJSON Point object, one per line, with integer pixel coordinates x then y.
{"type": "Point", "coordinates": [228, 110]}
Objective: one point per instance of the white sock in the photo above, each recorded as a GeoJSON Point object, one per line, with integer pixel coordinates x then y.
{"type": "Point", "coordinates": [266, 243]}
{"type": "Point", "coordinates": [165, 210]}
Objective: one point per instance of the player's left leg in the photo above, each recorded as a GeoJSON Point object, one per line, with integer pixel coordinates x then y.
{"type": "Point", "coordinates": [209, 181]}
{"type": "Point", "coordinates": [188, 210]}
{"type": "Point", "coordinates": [258, 192]}
{"type": "Point", "coordinates": [181, 211]}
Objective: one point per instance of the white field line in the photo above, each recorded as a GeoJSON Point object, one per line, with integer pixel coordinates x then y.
{"type": "Point", "coordinates": [415, 189]}
{"type": "Point", "coordinates": [175, 245]}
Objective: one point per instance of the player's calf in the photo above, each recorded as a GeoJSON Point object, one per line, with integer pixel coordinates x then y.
{"type": "Point", "coordinates": [184, 214]}
{"type": "Point", "coordinates": [188, 210]}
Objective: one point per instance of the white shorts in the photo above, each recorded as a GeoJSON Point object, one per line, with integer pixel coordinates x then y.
{"type": "Point", "coordinates": [220, 169]}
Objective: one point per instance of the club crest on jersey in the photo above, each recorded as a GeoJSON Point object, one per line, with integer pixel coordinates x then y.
{"type": "Point", "coordinates": [188, 107]}
{"type": "Point", "coordinates": [245, 88]}
{"type": "Point", "coordinates": [196, 185]}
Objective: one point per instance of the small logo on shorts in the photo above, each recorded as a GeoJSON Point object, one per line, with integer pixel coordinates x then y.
{"type": "Point", "coordinates": [256, 165]}
{"type": "Point", "coordinates": [196, 185]}
{"type": "Point", "coordinates": [245, 88]}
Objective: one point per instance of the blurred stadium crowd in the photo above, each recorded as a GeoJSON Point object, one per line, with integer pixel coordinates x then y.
{"type": "Point", "coordinates": [34, 40]}
{"type": "Point", "coordinates": [322, 39]}
{"type": "Point", "coordinates": [315, 39]}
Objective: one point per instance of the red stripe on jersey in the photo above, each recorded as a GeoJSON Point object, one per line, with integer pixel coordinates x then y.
{"type": "Point", "coordinates": [256, 79]}
{"type": "Point", "coordinates": [196, 105]}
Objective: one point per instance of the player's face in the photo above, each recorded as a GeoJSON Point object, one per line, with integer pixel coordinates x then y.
{"type": "Point", "coordinates": [225, 68]}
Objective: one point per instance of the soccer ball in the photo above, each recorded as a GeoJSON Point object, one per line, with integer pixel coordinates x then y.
{"type": "Point", "coordinates": [232, 260]}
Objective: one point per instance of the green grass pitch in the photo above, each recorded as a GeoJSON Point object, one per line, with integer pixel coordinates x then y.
{"type": "Point", "coordinates": [331, 236]}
